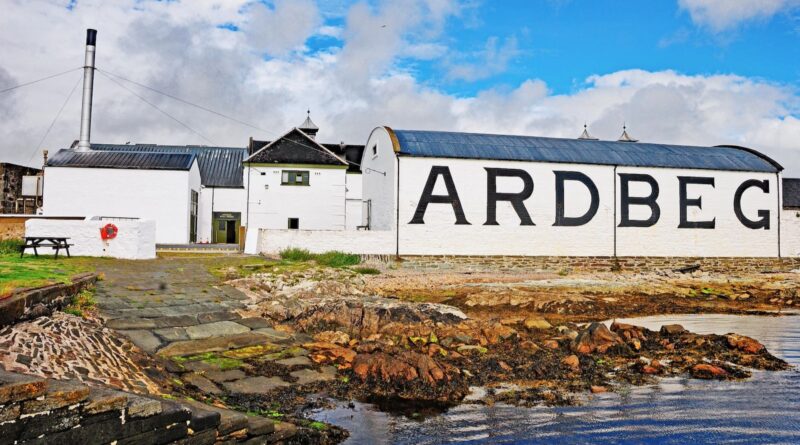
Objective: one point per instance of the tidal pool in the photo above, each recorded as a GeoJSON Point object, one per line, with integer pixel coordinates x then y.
{"type": "Point", "coordinates": [763, 409]}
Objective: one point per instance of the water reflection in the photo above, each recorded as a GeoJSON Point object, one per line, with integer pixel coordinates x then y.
{"type": "Point", "coordinates": [764, 409]}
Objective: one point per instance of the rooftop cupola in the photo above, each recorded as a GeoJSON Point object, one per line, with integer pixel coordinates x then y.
{"type": "Point", "coordinates": [308, 126]}
{"type": "Point", "coordinates": [625, 137]}
{"type": "Point", "coordinates": [585, 135]}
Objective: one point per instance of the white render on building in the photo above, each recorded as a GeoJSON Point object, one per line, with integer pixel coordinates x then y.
{"type": "Point", "coordinates": [125, 185]}
{"type": "Point", "coordinates": [738, 216]}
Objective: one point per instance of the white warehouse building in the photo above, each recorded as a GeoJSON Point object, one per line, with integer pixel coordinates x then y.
{"type": "Point", "coordinates": [444, 193]}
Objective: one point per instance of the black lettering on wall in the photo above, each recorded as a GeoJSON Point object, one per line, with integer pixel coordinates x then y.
{"type": "Point", "coordinates": [561, 219]}
{"type": "Point", "coordinates": [429, 198]}
{"type": "Point", "coordinates": [763, 215]}
{"type": "Point", "coordinates": [684, 203]}
{"type": "Point", "coordinates": [516, 199]}
{"type": "Point", "coordinates": [626, 200]}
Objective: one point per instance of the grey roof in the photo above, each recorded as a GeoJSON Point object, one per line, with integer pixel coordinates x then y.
{"type": "Point", "coordinates": [791, 192]}
{"type": "Point", "coordinates": [122, 159]}
{"type": "Point", "coordinates": [580, 151]}
{"type": "Point", "coordinates": [219, 166]}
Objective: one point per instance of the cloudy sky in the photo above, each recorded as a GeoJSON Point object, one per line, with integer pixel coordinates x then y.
{"type": "Point", "coordinates": [676, 71]}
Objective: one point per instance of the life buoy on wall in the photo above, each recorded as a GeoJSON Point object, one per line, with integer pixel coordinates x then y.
{"type": "Point", "coordinates": [109, 231]}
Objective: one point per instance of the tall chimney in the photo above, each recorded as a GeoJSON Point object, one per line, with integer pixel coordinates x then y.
{"type": "Point", "coordinates": [88, 83]}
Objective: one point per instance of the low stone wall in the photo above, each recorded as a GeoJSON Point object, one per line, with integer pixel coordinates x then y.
{"type": "Point", "coordinates": [34, 410]}
{"type": "Point", "coordinates": [31, 303]}
{"type": "Point", "coordinates": [599, 264]}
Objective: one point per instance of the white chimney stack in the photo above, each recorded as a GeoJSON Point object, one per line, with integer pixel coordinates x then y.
{"type": "Point", "coordinates": [88, 83]}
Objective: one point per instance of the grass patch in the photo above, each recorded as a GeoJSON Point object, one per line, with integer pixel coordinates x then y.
{"type": "Point", "coordinates": [10, 246]}
{"type": "Point", "coordinates": [367, 270]}
{"type": "Point", "coordinates": [31, 271]}
{"type": "Point", "coordinates": [295, 254]}
{"type": "Point", "coordinates": [82, 303]}
{"type": "Point", "coordinates": [330, 259]}
{"type": "Point", "coordinates": [337, 259]}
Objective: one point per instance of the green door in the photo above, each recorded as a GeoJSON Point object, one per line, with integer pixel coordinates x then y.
{"type": "Point", "coordinates": [226, 227]}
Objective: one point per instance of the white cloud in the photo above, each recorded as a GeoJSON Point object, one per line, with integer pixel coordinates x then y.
{"type": "Point", "coordinates": [493, 59]}
{"type": "Point", "coordinates": [283, 27]}
{"type": "Point", "coordinates": [722, 15]}
{"type": "Point", "coordinates": [349, 90]}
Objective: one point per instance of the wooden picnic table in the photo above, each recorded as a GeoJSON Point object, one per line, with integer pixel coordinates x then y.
{"type": "Point", "coordinates": [35, 242]}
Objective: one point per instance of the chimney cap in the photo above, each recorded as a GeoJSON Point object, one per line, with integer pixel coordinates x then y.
{"type": "Point", "coordinates": [91, 37]}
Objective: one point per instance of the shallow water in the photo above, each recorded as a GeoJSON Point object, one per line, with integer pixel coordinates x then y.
{"type": "Point", "coordinates": [763, 409]}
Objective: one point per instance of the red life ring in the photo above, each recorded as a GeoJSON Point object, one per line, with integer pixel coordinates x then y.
{"type": "Point", "coordinates": [109, 231]}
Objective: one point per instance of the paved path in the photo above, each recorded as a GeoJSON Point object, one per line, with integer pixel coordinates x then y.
{"type": "Point", "coordinates": [175, 307]}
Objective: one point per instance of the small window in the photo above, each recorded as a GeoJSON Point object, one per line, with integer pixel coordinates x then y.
{"type": "Point", "coordinates": [221, 225]}
{"type": "Point", "coordinates": [294, 177]}
{"type": "Point", "coordinates": [375, 150]}
{"type": "Point", "coordinates": [294, 223]}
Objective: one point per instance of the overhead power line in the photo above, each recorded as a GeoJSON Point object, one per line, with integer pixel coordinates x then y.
{"type": "Point", "coordinates": [201, 107]}
{"type": "Point", "coordinates": [55, 119]}
{"type": "Point", "coordinates": [184, 101]}
{"type": "Point", "coordinates": [157, 108]}
{"type": "Point", "coordinates": [39, 80]}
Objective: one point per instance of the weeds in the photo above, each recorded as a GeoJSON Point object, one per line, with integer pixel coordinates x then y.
{"type": "Point", "coordinates": [329, 259]}
{"type": "Point", "coordinates": [367, 270]}
{"type": "Point", "coordinates": [82, 303]}
{"type": "Point", "coordinates": [9, 246]}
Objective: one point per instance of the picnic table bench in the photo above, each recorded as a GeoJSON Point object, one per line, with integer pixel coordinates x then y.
{"type": "Point", "coordinates": [35, 242]}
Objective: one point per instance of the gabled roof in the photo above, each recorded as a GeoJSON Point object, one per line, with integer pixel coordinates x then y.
{"type": "Point", "coordinates": [791, 192]}
{"type": "Point", "coordinates": [219, 166]}
{"type": "Point", "coordinates": [441, 144]}
{"type": "Point", "coordinates": [295, 147]}
{"type": "Point", "coordinates": [122, 159]}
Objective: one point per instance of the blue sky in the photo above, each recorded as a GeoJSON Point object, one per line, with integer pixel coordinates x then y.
{"type": "Point", "coordinates": [563, 42]}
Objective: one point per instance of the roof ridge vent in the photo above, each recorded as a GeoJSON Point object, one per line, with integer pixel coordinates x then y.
{"type": "Point", "coordinates": [625, 137]}
{"type": "Point", "coordinates": [586, 136]}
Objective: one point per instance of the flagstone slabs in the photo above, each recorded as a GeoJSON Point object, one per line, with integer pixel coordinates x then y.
{"type": "Point", "coordinates": [215, 329]}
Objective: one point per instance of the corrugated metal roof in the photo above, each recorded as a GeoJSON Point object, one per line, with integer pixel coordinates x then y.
{"type": "Point", "coordinates": [791, 192]}
{"type": "Point", "coordinates": [219, 166]}
{"type": "Point", "coordinates": [580, 151]}
{"type": "Point", "coordinates": [122, 159]}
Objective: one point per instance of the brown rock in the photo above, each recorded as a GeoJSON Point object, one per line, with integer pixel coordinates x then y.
{"type": "Point", "coordinates": [335, 337]}
{"type": "Point", "coordinates": [708, 371]}
{"type": "Point", "coordinates": [497, 333]}
{"type": "Point", "coordinates": [550, 344]}
{"type": "Point", "coordinates": [743, 343]}
{"type": "Point", "coordinates": [672, 329]}
{"type": "Point", "coordinates": [598, 389]}
{"type": "Point", "coordinates": [572, 361]}
{"type": "Point", "coordinates": [341, 356]}
{"type": "Point", "coordinates": [405, 366]}
{"type": "Point", "coordinates": [530, 346]}
{"type": "Point", "coordinates": [505, 366]}
{"type": "Point", "coordinates": [595, 338]}
{"type": "Point", "coordinates": [536, 323]}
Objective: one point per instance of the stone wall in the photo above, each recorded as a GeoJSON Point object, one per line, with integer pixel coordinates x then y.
{"type": "Point", "coordinates": [11, 186]}
{"type": "Point", "coordinates": [12, 228]}
{"type": "Point", "coordinates": [32, 303]}
{"type": "Point", "coordinates": [599, 264]}
{"type": "Point", "coordinates": [34, 410]}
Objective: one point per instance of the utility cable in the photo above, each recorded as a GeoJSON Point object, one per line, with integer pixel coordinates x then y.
{"type": "Point", "coordinates": [158, 109]}
{"type": "Point", "coordinates": [55, 119]}
{"type": "Point", "coordinates": [38, 80]}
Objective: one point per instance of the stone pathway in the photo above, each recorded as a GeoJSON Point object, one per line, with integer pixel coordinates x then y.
{"type": "Point", "coordinates": [176, 308]}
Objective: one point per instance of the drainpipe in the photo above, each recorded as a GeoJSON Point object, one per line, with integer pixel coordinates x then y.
{"type": "Point", "coordinates": [779, 187]}
{"type": "Point", "coordinates": [88, 85]}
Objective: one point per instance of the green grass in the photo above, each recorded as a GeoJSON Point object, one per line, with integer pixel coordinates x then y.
{"type": "Point", "coordinates": [367, 270]}
{"type": "Point", "coordinates": [82, 303]}
{"type": "Point", "coordinates": [329, 259]}
{"type": "Point", "coordinates": [30, 271]}
{"type": "Point", "coordinates": [10, 246]}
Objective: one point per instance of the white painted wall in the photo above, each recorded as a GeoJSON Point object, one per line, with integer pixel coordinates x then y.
{"type": "Point", "coordinates": [441, 236]}
{"type": "Point", "coordinates": [790, 232]}
{"type": "Point", "coordinates": [368, 242]}
{"type": "Point", "coordinates": [159, 195]}
{"type": "Point", "coordinates": [380, 180]}
{"type": "Point", "coordinates": [729, 238]}
{"type": "Point", "coordinates": [320, 205]}
{"type": "Point", "coordinates": [217, 199]}
{"type": "Point", "coordinates": [135, 240]}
